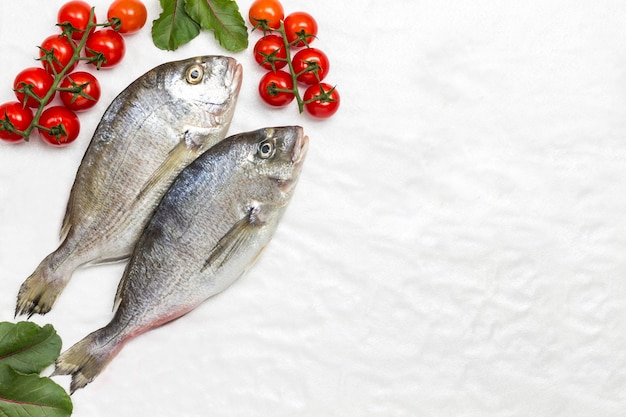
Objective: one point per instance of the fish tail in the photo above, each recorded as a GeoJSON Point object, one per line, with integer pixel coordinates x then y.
{"type": "Point", "coordinates": [40, 291]}
{"type": "Point", "coordinates": [87, 359]}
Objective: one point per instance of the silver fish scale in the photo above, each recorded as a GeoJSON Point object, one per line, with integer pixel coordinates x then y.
{"type": "Point", "coordinates": [209, 228]}
{"type": "Point", "coordinates": [149, 133]}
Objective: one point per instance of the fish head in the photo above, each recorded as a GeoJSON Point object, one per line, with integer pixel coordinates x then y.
{"type": "Point", "coordinates": [210, 82]}
{"type": "Point", "coordinates": [275, 156]}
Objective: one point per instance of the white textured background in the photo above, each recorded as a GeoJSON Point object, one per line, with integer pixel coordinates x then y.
{"type": "Point", "coordinates": [456, 247]}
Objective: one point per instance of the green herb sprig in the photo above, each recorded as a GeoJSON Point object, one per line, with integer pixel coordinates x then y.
{"type": "Point", "coordinates": [182, 20]}
{"type": "Point", "coordinates": [26, 349]}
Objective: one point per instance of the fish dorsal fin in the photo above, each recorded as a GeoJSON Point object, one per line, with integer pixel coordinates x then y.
{"type": "Point", "coordinates": [235, 239]}
{"type": "Point", "coordinates": [176, 159]}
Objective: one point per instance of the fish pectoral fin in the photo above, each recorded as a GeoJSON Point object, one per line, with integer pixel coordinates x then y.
{"type": "Point", "coordinates": [235, 239]}
{"type": "Point", "coordinates": [193, 141]}
{"type": "Point", "coordinates": [177, 159]}
{"type": "Point", "coordinates": [229, 245]}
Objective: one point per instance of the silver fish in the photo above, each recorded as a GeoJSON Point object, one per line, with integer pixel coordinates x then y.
{"type": "Point", "coordinates": [150, 132]}
{"type": "Point", "coordinates": [210, 227]}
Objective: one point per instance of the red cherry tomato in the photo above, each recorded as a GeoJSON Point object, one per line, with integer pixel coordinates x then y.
{"type": "Point", "coordinates": [327, 102]}
{"type": "Point", "coordinates": [298, 25]}
{"type": "Point", "coordinates": [108, 44]}
{"type": "Point", "coordinates": [267, 12]}
{"type": "Point", "coordinates": [88, 95]}
{"type": "Point", "coordinates": [16, 114]}
{"type": "Point", "coordinates": [273, 81]}
{"type": "Point", "coordinates": [269, 48]}
{"type": "Point", "coordinates": [310, 65]}
{"type": "Point", "coordinates": [40, 82]}
{"type": "Point", "coordinates": [59, 47]}
{"type": "Point", "coordinates": [131, 13]}
{"type": "Point", "coordinates": [59, 126]}
{"type": "Point", "coordinates": [76, 13]}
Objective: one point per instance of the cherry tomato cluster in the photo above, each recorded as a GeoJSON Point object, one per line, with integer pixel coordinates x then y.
{"type": "Point", "coordinates": [81, 39]}
{"type": "Point", "coordinates": [308, 66]}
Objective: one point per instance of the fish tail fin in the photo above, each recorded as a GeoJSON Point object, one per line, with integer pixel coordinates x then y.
{"type": "Point", "coordinates": [40, 291]}
{"type": "Point", "coordinates": [87, 359]}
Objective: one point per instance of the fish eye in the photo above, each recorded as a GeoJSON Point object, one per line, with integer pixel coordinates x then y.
{"type": "Point", "coordinates": [194, 74]}
{"type": "Point", "coordinates": [266, 149]}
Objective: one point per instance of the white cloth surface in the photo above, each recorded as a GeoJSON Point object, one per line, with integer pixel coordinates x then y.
{"type": "Point", "coordinates": [456, 245]}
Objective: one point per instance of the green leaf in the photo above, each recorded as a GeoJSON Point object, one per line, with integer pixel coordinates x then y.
{"type": "Point", "coordinates": [31, 395]}
{"type": "Point", "coordinates": [28, 348]}
{"type": "Point", "coordinates": [223, 18]}
{"type": "Point", "coordinates": [174, 27]}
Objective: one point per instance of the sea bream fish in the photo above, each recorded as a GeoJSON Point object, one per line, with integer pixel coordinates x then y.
{"type": "Point", "coordinates": [150, 132]}
{"type": "Point", "coordinates": [210, 227]}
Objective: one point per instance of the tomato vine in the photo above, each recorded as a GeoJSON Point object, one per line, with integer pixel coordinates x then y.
{"type": "Point", "coordinates": [308, 66]}
{"type": "Point", "coordinates": [59, 54]}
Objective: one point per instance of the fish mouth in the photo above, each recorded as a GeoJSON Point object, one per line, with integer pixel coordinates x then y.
{"type": "Point", "coordinates": [233, 82]}
{"type": "Point", "coordinates": [300, 148]}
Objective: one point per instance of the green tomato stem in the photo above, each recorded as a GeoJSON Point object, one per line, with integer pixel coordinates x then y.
{"type": "Point", "coordinates": [323, 96]}
{"type": "Point", "coordinates": [294, 80]}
